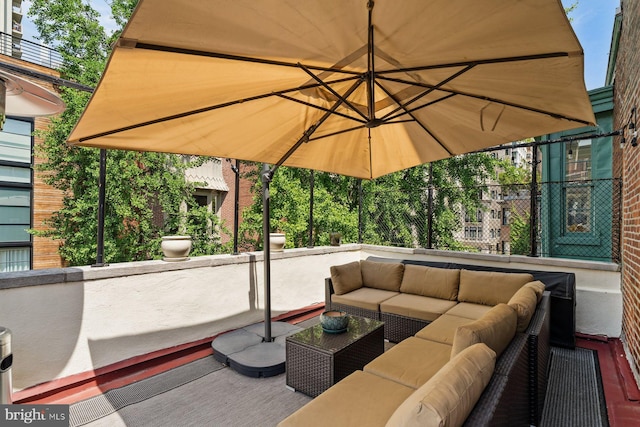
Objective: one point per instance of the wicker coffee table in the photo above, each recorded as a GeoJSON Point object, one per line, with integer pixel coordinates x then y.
{"type": "Point", "coordinates": [315, 360]}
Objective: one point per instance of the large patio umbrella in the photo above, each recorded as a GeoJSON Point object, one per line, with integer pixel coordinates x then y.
{"type": "Point", "coordinates": [355, 87]}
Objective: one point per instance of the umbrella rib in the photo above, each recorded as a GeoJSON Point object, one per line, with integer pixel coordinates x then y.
{"type": "Point", "coordinates": [477, 62]}
{"type": "Point", "coordinates": [496, 100]}
{"type": "Point", "coordinates": [422, 125]}
{"type": "Point", "coordinates": [309, 104]}
{"type": "Point", "coordinates": [317, 138]}
{"type": "Point", "coordinates": [429, 90]}
{"type": "Point", "coordinates": [340, 132]}
{"type": "Point", "coordinates": [208, 108]}
{"type": "Point", "coordinates": [170, 49]}
{"type": "Point", "coordinates": [307, 134]}
{"type": "Point", "coordinates": [330, 89]}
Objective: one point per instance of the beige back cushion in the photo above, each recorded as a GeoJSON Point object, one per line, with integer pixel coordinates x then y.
{"type": "Point", "coordinates": [430, 281]}
{"type": "Point", "coordinates": [538, 287]}
{"type": "Point", "coordinates": [524, 303]}
{"type": "Point", "coordinates": [449, 396]}
{"type": "Point", "coordinates": [346, 277]}
{"type": "Point", "coordinates": [382, 275]}
{"type": "Point", "coordinates": [496, 329]}
{"type": "Point", "coordinates": [490, 287]}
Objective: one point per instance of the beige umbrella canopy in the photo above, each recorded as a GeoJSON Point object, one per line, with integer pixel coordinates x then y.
{"type": "Point", "coordinates": [355, 87]}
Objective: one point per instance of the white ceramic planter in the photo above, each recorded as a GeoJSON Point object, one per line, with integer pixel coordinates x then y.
{"type": "Point", "coordinates": [276, 242]}
{"type": "Point", "coordinates": [176, 248]}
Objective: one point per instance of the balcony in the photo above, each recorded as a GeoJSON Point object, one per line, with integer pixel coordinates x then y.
{"type": "Point", "coordinates": [13, 45]}
{"type": "Point", "coordinates": [73, 325]}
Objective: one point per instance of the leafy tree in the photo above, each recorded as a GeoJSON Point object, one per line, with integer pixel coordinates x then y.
{"type": "Point", "coordinates": [334, 207]}
{"type": "Point", "coordinates": [395, 206]}
{"type": "Point", "coordinates": [513, 180]}
{"type": "Point", "coordinates": [519, 234]}
{"type": "Point", "coordinates": [511, 176]}
{"type": "Point", "coordinates": [139, 185]}
{"type": "Point", "coordinates": [460, 182]}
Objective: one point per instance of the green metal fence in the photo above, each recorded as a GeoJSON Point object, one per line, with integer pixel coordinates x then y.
{"type": "Point", "coordinates": [577, 219]}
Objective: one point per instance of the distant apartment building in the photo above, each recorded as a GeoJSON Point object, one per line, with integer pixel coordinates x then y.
{"type": "Point", "coordinates": [11, 28]}
{"type": "Point", "coordinates": [488, 228]}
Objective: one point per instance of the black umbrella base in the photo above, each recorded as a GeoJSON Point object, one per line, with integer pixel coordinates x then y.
{"type": "Point", "coordinates": [245, 351]}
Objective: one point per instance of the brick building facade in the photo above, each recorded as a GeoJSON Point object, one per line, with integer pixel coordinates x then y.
{"type": "Point", "coordinates": [627, 163]}
{"type": "Point", "coordinates": [245, 198]}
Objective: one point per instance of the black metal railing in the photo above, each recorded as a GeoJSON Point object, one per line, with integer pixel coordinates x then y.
{"type": "Point", "coordinates": [25, 50]}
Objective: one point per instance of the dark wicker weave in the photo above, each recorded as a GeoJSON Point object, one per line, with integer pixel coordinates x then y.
{"type": "Point", "coordinates": [316, 360]}
{"type": "Point", "coordinates": [356, 311]}
{"type": "Point", "coordinates": [398, 328]}
{"type": "Point", "coordinates": [538, 334]}
{"type": "Point", "coordinates": [505, 400]}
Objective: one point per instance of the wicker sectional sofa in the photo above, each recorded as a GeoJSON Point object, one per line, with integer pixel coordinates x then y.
{"type": "Point", "coordinates": [473, 348]}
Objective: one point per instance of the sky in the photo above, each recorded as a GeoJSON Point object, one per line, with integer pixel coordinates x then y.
{"type": "Point", "coordinates": [102, 6]}
{"type": "Point", "coordinates": [592, 22]}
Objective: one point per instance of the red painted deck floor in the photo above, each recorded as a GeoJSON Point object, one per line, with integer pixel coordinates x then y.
{"type": "Point", "coordinates": [89, 384]}
{"type": "Point", "coordinates": [620, 389]}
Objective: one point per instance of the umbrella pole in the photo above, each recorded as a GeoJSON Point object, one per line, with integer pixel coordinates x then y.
{"type": "Point", "coordinates": [102, 180]}
{"type": "Point", "coordinates": [311, 185]}
{"type": "Point", "coordinates": [267, 175]}
{"type": "Point", "coordinates": [236, 205]}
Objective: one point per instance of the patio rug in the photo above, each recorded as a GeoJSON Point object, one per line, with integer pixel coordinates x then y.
{"type": "Point", "coordinates": [100, 406]}
{"type": "Point", "coordinates": [575, 395]}
{"type": "Point", "coordinates": [220, 398]}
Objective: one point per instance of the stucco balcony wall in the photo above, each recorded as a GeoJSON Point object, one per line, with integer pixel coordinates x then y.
{"type": "Point", "coordinates": [76, 320]}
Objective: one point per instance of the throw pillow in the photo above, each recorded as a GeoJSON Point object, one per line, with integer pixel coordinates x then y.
{"type": "Point", "coordinates": [490, 287]}
{"type": "Point", "coordinates": [430, 281]}
{"type": "Point", "coordinates": [449, 396]}
{"type": "Point", "coordinates": [382, 275]}
{"type": "Point", "coordinates": [538, 287]}
{"type": "Point", "coordinates": [524, 302]}
{"type": "Point", "coordinates": [496, 329]}
{"type": "Point", "coordinates": [346, 277]}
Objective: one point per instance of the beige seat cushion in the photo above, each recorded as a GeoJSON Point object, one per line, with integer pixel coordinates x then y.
{"type": "Point", "coordinates": [469, 310]}
{"type": "Point", "coordinates": [538, 287]}
{"type": "Point", "coordinates": [443, 329]}
{"type": "Point", "coordinates": [490, 287]}
{"type": "Point", "coordinates": [346, 277]}
{"type": "Point", "coordinates": [524, 302]}
{"type": "Point", "coordinates": [416, 306]}
{"type": "Point", "coordinates": [382, 275]}
{"type": "Point", "coordinates": [430, 281]}
{"type": "Point", "coordinates": [448, 398]}
{"type": "Point", "coordinates": [496, 329]}
{"type": "Point", "coordinates": [361, 399]}
{"type": "Point", "coordinates": [367, 298]}
{"type": "Point", "coordinates": [411, 363]}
